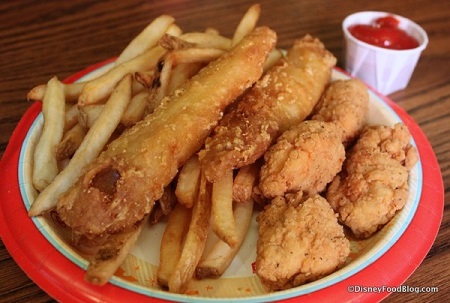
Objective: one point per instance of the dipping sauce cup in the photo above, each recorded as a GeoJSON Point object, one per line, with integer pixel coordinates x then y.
{"type": "Point", "coordinates": [386, 70]}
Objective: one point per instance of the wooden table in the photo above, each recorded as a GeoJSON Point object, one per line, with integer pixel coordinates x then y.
{"type": "Point", "coordinates": [40, 39]}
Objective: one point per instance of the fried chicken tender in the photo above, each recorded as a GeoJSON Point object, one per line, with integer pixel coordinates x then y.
{"type": "Point", "coordinates": [285, 96]}
{"type": "Point", "coordinates": [345, 103]}
{"type": "Point", "coordinates": [373, 184]}
{"type": "Point", "coordinates": [121, 186]}
{"type": "Point", "coordinates": [298, 243]}
{"type": "Point", "coordinates": [304, 158]}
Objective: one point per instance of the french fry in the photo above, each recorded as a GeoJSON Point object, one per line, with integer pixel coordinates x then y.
{"type": "Point", "coordinates": [180, 56]}
{"type": "Point", "coordinates": [168, 200]}
{"type": "Point", "coordinates": [87, 115]}
{"type": "Point", "coordinates": [71, 116]}
{"type": "Point", "coordinates": [247, 23]}
{"type": "Point", "coordinates": [89, 149]}
{"type": "Point", "coordinates": [70, 142]}
{"type": "Point", "coordinates": [71, 92]}
{"type": "Point", "coordinates": [147, 39]}
{"type": "Point", "coordinates": [272, 59]}
{"type": "Point", "coordinates": [164, 205]}
{"type": "Point", "coordinates": [37, 93]}
{"type": "Point", "coordinates": [155, 214]}
{"type": "Point", "coordinates": [207, 40]}
{"type": "Point", "coordinates": [146, 79]}
{"type": "Point", "coordinates": [111, 254]}
{"type": "Point", "coordinates": [195, 240]}
{"type": "Point", "coordinates": [135, 110]}
{"type": "Point", "coordinates": [170, 42]}
{"type": "Point", "coordinates": [45, 167]}
{"type": "Point", "coordinates": [164, 76]}
{"type": "Point", "coordinates": [211, 30]}
{"type": "Point", "coordinates": [100, 88]}
{"type": "Point", "coordinates": [153, 101]}
{"type": "Point", "coordinates": [174, 30]}
{"type": "Point", "coordinates": [188, 182]}
{"type": "Point", "coordinates": [94, 74]}
{"type": "Point", "coordinates": [195, 54]}
{"type": "Point", "coordinates": [221, 255]}
{"type": "Point", "coordinates": [224, 225]}
{"type": "Point", "coordinates": [172, 242]}
{"type": "Point", "coordinates": [244, 182]}
{"type": "Point", "coordinates": [137, 87]}
{"type": "Point", "coordinates": [181, 73]}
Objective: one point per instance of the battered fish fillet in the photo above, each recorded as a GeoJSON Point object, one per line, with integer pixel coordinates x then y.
{"type": "Point", "coordinates": [373, 184]}
{"type": "Point", "coordinates": [123, 183]}
{"type": "Point", "coordinates": [305, 158]}
{"type": "Point", "coordinates": [298, 243]}
{"type": "Point", "coordinates": [285, 96]}
{"type": "Point", "coordinates": [345, 103]}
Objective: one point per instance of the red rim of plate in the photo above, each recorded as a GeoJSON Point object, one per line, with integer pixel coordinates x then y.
{"type": "Point", "coordinates": [64, 280]}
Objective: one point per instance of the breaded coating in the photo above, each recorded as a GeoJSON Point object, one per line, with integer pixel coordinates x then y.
{"type": "Point", "coordinates": [285, 96]}
{"type": "Point", "coordinates": [121, 186]}
{"type": "Point", "coordinates": [345, 103]}
{"type": "Point", "coordinates": [298, 243]}
{"type": "Point", "coordinates": [373, 184]}
{"type": "Point", "coordinates": [304, 158]}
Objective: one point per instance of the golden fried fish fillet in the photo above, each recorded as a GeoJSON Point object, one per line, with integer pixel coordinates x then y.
{"type": "Point", "coordinates": [298, 243]}
{"type": "Point", "coordinates": [345, 103]}
{"type": "Point", "coordinates": [373, 184]}
{"type": "Point", "coordinates": [305, 158]}
{"type": "Point", "coordinates": [285, 96]}
{"type": "Point", "coordinates": [123, 183]}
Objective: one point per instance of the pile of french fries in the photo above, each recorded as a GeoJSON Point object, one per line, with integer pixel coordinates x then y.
{"type": "Point", "coordinates": [81, 118]}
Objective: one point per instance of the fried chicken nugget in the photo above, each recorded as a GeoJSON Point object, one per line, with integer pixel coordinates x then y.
{"type": "Point", "coordinates": [123, 183]}
{"type": "Point", "coordinates": [298, 243]}
{"type": "Point", "coordinates": [305, 158]}
{"type": "Point", "coordinates": [345, 103]}
{"type": "Point", "coordinates": [285, 96]}
{"type": "Point", "coordinates": [373, 184]}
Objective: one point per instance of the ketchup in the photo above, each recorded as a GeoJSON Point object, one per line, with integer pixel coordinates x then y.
{"type": "Point", "coordinates": [384, 32]}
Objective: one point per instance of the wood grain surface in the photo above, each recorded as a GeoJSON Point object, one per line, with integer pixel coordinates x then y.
{"type": "Point", "coordinates": [40, 39]}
